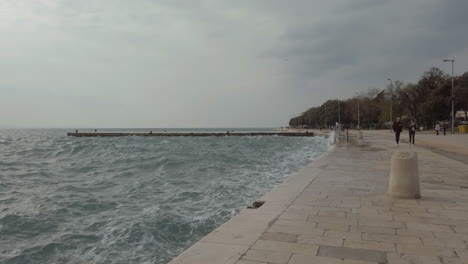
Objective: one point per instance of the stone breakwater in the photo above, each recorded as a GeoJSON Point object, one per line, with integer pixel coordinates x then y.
{"type": "Point", "coordinates": [335, 210]}
{"type": "Point", "coordinates": [190, 134]}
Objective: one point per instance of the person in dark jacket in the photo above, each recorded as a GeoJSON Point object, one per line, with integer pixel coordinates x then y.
{"type": "Point", "coordinates": [397, 128]}
{"type": "Point", "coordinates": [444, 127]}
{"type": "Point", "coordinates": [412, 131]}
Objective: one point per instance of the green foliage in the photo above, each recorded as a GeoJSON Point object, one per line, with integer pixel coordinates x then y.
{"type": "Point", "coordinates": [427, 101]}
{"type": "Point", "coordinates": [461, 93]}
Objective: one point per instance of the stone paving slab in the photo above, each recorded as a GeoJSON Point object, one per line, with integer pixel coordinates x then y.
{"type": "Point", "coordinates": [238, 236]}
{"type": "Point", "coordinates": [335, 210]}
{"type": "Point", "coordinates": [202, 253]}
{"type": "Point", "coordinates": [353, 253]}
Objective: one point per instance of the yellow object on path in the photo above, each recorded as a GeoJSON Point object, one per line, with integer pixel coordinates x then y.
{"type": "Point", "coordinates": [463, 129]}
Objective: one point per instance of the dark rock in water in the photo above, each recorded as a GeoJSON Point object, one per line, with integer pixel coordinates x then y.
{"type": "Point", "coordinates": [256, 204]}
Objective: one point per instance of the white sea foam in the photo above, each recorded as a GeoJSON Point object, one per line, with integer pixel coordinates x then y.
{"type": "Point", "coordinates": [331, 140]}
{"type": "Point", "coordinates": [131, 199]}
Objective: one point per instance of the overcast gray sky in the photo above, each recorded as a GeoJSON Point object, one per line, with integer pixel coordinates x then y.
{"type": "Point", "coordinates": [211, 63]}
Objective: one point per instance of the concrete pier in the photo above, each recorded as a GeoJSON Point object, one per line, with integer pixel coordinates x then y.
{"type": "Point", "coordinates": [189, 134]}
{"type": "Point", "coordinates": [335, 210]}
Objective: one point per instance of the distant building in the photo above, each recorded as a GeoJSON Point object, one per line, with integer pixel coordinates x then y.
{"type": "Point", "coordinates": [460, 114]}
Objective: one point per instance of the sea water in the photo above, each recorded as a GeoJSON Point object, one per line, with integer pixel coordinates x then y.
{"type": "Point", "coordinates": [131, 199]}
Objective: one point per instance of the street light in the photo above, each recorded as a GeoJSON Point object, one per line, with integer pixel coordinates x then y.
{"type": "Point", "coordinates": [453, 108]}
{"type": "Point", "coordinates": [358, 119]}
{"type": "Point", "coordinates": [391, 97]}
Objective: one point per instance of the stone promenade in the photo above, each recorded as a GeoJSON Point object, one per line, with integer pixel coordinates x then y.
{"type": "Point", "coordinates": [335, 211]}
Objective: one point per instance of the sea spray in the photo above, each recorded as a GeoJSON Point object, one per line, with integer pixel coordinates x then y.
{"type": "Point", "coordinates": [331, 139]}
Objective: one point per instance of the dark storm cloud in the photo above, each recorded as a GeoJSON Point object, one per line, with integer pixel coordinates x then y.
{"type": "Point", "coordinates": [176, 62]}
{"type": "Point", "coordinates": [363, 32]}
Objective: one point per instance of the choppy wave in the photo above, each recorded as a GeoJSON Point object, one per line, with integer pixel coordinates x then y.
{"type": "Point", "coordinates": [130, 199]}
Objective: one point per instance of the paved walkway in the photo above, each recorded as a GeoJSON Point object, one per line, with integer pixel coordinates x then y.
{"type": "Point", "coordinates": [335, 211]}
{"type": "Point", "coordinates": [453, 146]}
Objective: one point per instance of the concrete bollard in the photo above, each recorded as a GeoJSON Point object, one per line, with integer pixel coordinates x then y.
{"type": "Point", "coordinates": [360, 134]}
{"type": "Point", "coordinates": [404, 176]}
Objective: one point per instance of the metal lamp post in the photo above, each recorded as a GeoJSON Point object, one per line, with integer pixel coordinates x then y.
{"type": "Point", "coordinates": [391, 98]}
{"type": "Point", "coordinates": [358, 117]}
{"type": "Point", "coordinates": [453, 107]}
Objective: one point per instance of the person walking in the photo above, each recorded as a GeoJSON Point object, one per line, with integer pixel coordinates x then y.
{"type": "Point", "coordinates": [437, 128]}
{"type": "Point", "coordinates": [444, 127]}
{"type": "Point", "coordinates": [412, 131]}
{"type": "Point", "coordinates": [397, 128]}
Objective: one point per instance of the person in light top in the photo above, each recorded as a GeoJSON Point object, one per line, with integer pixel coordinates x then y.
{"type": "Point", "coordinates": [437, 128]}
{"type": "Point", "coordinates": [412, 131]}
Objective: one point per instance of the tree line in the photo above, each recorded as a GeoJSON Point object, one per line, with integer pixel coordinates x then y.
{"type": "Point", "coordinates": [428, 101]}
